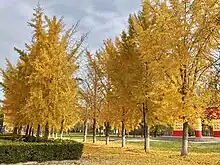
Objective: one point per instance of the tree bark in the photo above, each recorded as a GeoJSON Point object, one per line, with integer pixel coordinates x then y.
{"type": "Point", "coordinates": [61, 134]}
{"type": "Point", "coordinates": [123, 134]}
{"type": "Point", "coordinates": [46, 133]}
{"type": "Point", "coordinates": [94, 130]}
{"type": "Point", "coordinates": [184, 150]}
{"type": "Point", "coordinates": [53, 132]}
{"type": "Point", "coordinates": [27, 129]}
{"type": "Point", "coordinates": [61, 129]}
{"type": "Point", "coordinates": [134, 133]}
{"type": "Point", "coordinates": [38, 131]}
{"type": "Point", "coordinates": [15, 130]}
{"type": "Point", "coordinates": [146, 132]}
{"type": "Point", "coordinates": [147, 143]}
{"type": "Point", "coordinates": [118, 132]}
{"type": "Point", "coordinates": [107, 129]}
{"type": "Point", "coordinates": [30, 130]}
{"type": "Point", "coordinates": [19, 130]}
{"type": "Point", "coordinates": [85, 128]}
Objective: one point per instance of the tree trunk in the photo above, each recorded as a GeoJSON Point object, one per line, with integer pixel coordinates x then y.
{"type": "Point", "coordinates": [147, 143]}
{"type": "Point", "coordinates": [19, 130]}
{"type": "Point", "coordinates": [107, 129]}
{"type": "Point", "coordinates": [46, 132]}
{"type": "Point", "coordinates": [103, 132]}
{"type": "Point", "coordinates": [61, 134]}
{"type": "Point", "coordinates": [94, 130]}
{"type": "Point", "coordinates": [53, 132]}
{"type": "Point", "coordinates": [32, 132]}
{"type": "Point", "coordinates": [38, 131]}
{"type": "Point", "coordinates": [146, 132]}
{"type": "Point", "coordinates": [134, 133]}
{"type": "Point", "coordinates": [27, 129]}
{"type": "Point", "coordinates": [184, 150]}
{"type": "Point", "coordinates": [85, 128]}
{"type": "Point", "coordinates": [56, 135]}
{"type": "Point", "coordinates": [49, 135]}
{"type": "Point", "coordinates": [123, 134]}
{"type": "Point", "coordinates": [15, 130]}
{"type": "Point", "coordinates": [61, 129]}
{"type": "Point", "coordinates": [142, 132]}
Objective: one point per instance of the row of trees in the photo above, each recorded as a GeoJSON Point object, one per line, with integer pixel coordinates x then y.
{"type": "Point", "coordinates": [163, 69]}
{"type": "Point", "coordinates": [40, 91]}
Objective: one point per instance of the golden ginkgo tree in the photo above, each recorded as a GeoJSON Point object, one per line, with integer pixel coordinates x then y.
{"type": "Point", "coordinates": [46, 87]}
{"type": "Point", "coordinates": [181, 37]}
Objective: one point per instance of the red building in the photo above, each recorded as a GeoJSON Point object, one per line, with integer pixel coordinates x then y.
{"type": "Point", "coordinates": [212, 114]}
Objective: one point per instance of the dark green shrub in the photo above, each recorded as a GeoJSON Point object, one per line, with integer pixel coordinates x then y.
{"type": "Point", "coordinates": [22, 152]}
{"type": "Point", "coordinates": [10, 137]}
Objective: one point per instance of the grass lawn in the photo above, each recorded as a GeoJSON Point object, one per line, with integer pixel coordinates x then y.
{"type": "Point", "coordinates": [160, 154]}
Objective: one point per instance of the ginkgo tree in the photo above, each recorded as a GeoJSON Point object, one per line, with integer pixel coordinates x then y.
{"type": "Point", "coordinates": [91, 92]}
{"type": "Point", "coordinates": [181, 37]}
{"type": "Point", "coordinates": [121, 68]}
{"type": "Point", "coordinates": [45, 75]}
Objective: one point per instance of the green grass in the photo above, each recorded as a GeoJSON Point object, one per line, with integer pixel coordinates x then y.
{"type": "Point", "coordinates": [162, 145]}
{"type": "Point", "coordinates": [161, 152]}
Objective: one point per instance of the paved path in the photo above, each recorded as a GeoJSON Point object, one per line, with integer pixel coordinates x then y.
{"type": "Point", "coordinates": [171, 138]}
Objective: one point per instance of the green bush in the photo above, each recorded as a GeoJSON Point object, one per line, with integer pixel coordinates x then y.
{"type": "Point", "coordinates": [10, 137]}
{"type": "Point", "coordinates": [15, 152]}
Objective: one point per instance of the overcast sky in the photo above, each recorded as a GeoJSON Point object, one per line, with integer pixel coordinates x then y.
{"type": "Point", "coordinates": [102, 18]}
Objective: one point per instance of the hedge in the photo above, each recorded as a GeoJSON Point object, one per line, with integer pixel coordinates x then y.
{"type": "Point", "coordinates": [15, 152]}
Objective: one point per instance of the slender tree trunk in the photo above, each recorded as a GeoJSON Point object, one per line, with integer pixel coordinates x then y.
{"type": "Point", "coordinates": [118, 132]}
{"type": "Point", "coordinates": [85, 128]}
{"type": "Point", "coordinates": [94, 130]}
{"type": "Point", "coordinates": [49, 135]}
{"type": "Point", "coordinates": [103, 132]}
{"type": "Point", "coordinates": [46, 132]}
{"type": "Point", "coordinates": [15, 130]}
{"type": "Point", "coordinates": [61, 130]}
{"type": "Point", "coordinates": [27, 130]}
{"type": "Point", "coordinates": [107, 129]}
{"type": "Point", "coordinates": [146, 132]}
{"type": "Point", "coordinates": [147, 139]}
{"type": "Point", "coordinates": [30, 130]}
{"type": "Point", "coordinates": [38, 131]}
{"type": "Point", "coordinates": [184, 150]}
{"type": "Point", "coordinates": [53, 132]}
{"type": "Point", "coordinates": [61, 134]}
{"type": "Point", "coordinates": [123, 134]}
{"type": "Point", "coordinates": [142, 131]}
{"type": "Point", "coordinates": [19, 130]}
{"type": "Point", "coordinates": [134, 133]}
{"type": "Point", "coordinates": [56, 135]}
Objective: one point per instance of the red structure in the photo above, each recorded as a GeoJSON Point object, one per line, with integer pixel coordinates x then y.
{"type": "Point", "coordinates": [178, 129]}
{"type": "Point", "coordinates": [212, 113]}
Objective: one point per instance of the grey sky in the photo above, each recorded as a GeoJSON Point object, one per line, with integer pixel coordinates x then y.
{"type": "Point", "coordinates": [103, 18]}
